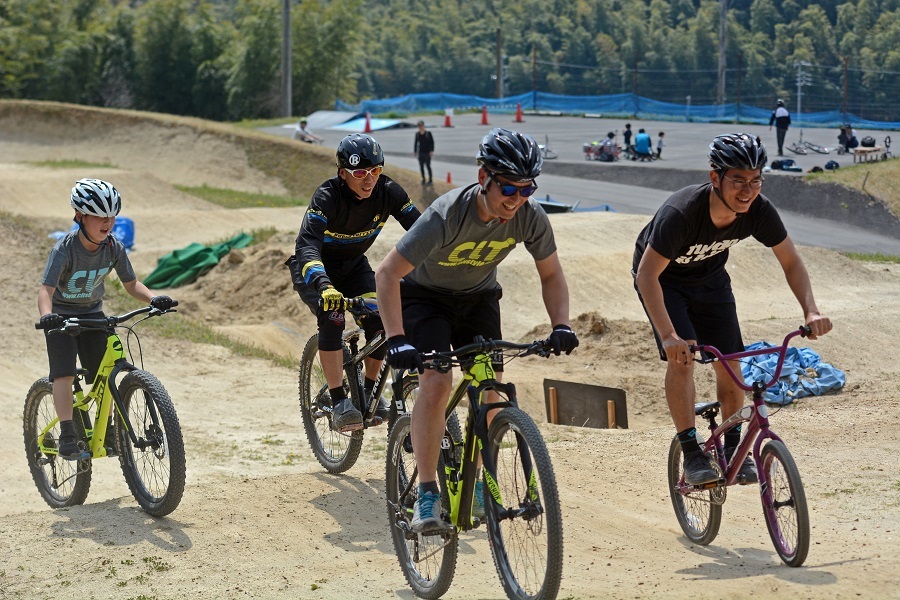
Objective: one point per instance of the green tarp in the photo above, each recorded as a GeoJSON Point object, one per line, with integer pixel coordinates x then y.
{"type": "Point", "coordinates": [185, 265]}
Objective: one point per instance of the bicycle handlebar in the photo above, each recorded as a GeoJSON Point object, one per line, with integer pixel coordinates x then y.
{"type": "Point", "coordinates": [444, 361]}
{"type": "Point", "coordinates": [359, 305]}
{"type": "Point", "coordinates": [781, 351]}
{"type": "Point", "coordinates": [74, 325]}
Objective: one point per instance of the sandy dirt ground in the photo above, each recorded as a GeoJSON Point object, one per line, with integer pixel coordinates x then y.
{"type": "Point", "coordinates": [261, 519]}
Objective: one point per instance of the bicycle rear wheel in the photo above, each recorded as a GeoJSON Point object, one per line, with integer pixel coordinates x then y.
{"type": "Point", "coordinates": [335, 451]}
{"type": "Point", "coordinates": [428, 561]}
{"type": "Point", "coordinates": [699, 512]}
{"type": "Point", "coordinates": [154, 467]}
{"type": "Point", "coordinates": [61, 482]}
{"type": "Point", "coordinates": [524, 520]}
{"type": "Point", "coordinates": [784, 504]}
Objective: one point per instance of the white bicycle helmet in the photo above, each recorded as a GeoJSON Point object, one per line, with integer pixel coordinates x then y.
{"type": "Point", "coordinates": [95, 197]}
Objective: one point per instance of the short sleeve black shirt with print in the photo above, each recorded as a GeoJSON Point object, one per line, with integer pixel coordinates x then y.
{"type": "Point", "coordinates": [682, 231]}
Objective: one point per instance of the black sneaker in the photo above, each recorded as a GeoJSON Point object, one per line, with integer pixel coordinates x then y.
{"type": "Point", "coordinates": [345, 416]}
{"type": "Point", "coordinates": [383, 410]}
{"type": "Point", "coordinates": [71, 448]}
{"type": "Point", "coordinates": [747, 473]}
{"type": "Point", "coordinates": [698, 471]}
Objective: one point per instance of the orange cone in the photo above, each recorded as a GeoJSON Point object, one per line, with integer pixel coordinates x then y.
{"type": "Point", "coordinates": [448, 177]}
{"type": "Point", "coordinates": [447, 114]}
{"type": "Point", "coordinates": [484, 120]}
{"type": "Point", "coordinates": [368, 128]}
{"type": "Point", "coordinates": [519, 118]}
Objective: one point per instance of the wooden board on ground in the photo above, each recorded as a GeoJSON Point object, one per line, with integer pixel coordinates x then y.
{"type": "Point", "coordinates": [585, 405]}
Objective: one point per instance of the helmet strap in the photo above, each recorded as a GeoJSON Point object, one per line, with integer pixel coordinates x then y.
{"type": "Point", "coordinates": [84, 232]}
{"type": "Point", "coordinates": [494, 219]}
{"type": "Point", "coordinates": [719, 194]}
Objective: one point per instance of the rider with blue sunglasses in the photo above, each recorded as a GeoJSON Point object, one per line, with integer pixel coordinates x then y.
{"type": "Point", "coordinates": [445, 270]}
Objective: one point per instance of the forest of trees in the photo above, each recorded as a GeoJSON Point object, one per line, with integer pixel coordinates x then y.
{"type": "Point", "coordinates": [221, 59]}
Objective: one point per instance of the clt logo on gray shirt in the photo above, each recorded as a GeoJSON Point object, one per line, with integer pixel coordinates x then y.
{"type": "Point", "coordinates": [75, 289]}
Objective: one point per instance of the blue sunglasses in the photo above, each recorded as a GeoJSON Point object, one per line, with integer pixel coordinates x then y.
{"type": "Point", "coordinates": [508, 189]}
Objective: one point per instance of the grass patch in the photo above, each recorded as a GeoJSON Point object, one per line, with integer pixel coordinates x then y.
{"type": "Point", "coordinates": [877, 179]}
{"type": "Point", "coordinates": [72, 164]}
{"type": "Point", "coordinates": [234, 199]}
{"type": "Point", "coordinates": [257, 123]}
{"type": "Point", "coordinates": [869, 257]}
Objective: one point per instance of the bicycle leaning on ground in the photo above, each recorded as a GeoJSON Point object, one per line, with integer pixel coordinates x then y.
{"type": "Point", "coordinates": [134, 420]}
{"type": "Point", "coordinates": [521, 502]}
{"type": "Point", "coordinates": [699, 508]}
{"type": "Point", "coordinates": [337, 451]}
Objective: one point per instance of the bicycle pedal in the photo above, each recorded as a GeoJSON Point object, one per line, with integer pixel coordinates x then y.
{"type": "Point", "coordinates": [711, 485]}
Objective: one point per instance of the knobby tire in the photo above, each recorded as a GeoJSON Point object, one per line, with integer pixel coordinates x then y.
{"type": "Point", "coordinates": [155, 473]}
{"type": "Point", "coordinates": [528, 547]}
{"type": "Point", "coordinates": [61, 482]}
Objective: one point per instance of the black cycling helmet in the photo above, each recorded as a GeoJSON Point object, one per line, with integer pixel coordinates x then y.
{"type": "Point", "coordinates": [514, 155]}
{"type": "Point", "coordinates": [737, 151]}
{"type": "Point", "coordinates": [358, 151]}
{"type": "Point", "coordinates": [780, 102]}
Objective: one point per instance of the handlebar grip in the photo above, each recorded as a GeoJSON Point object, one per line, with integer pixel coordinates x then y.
{"type": "Point", "coordinates": [805, 330]}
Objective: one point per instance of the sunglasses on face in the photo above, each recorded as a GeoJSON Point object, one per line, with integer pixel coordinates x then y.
{"type": "Point", "coordinates": [362, 173]}
{"type": "Point", "coordinates": [507, 189]}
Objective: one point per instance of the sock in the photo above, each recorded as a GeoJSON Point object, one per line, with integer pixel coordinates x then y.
{"type": "Point", "coordinates": [428, 486]}
{"type": "Point", "coordinates": [66, 429]}
{"type": "Point", "coordinates": [732, 439]}
{"type": "Point", "coordinates": [369, 385]}
{"type": "Point", "coordinates": [337, 394]}
{"type": "Point", "coordinates": [688, 440]}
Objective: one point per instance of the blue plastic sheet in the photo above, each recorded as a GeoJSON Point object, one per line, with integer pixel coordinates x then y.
{"type": "Point", "coordinates": [803, 374]}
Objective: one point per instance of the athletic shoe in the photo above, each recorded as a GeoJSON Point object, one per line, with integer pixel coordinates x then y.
{"type": "Point", "coordinates": [427, 513]}
{"type": "Point", "coordinates": [747, 473]}
{"type": "Point", "coordinates": [478, 500]}
{"type": "Point", "coordinates": [345, 416]}
{"type": "Point", "coordinates": [697, 470]}
{"type": "Point", "coordinates": [71, 448]}
{"type": "Point", "coordinates": [383, 410]}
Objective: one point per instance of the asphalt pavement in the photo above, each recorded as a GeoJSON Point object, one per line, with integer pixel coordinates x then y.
{"type": "Point", "coordinates": [686, 146]}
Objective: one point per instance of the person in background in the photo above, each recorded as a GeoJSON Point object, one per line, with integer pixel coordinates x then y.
{"type": "Point", "coordinates": [643, 146]}
{"type": "Point", "coordinates": [345, 215]}
{"type": "Point", "coordinates": [781, 118]}
{"type": "Point", "coordinates": [847, 138]}
{"type": "Point", "coordinates": [302, 134]}
{"type": "Point", "coordinates": [423, 148]}
{"type": "Point", "coordinates": [659, 144]}
{"type": "Point", "coordinates": [626, 137]}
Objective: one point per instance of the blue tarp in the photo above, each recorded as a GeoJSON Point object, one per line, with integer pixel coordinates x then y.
{"type": "Point", "coordinates": [803, 374]}
{"type": "Point", "coordinates": [611, 106]}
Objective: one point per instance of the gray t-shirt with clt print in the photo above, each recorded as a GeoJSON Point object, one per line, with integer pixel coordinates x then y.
{"type": "Point", "coordinates": [78, 274]}
{"type": "Point", "coordinates": [454, 251]}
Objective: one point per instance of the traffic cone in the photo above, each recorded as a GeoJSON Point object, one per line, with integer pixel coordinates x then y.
{"type": "Point", "coordinates": [519, 118]}
{"type": "Point", "coordinates": [368, 128]}
{"type": "Point", "coordinates": [447, 114]}
{"type": "Point", "coordinates": [448, 177]}
{"type": "Point", "coordinates": [484, 120]}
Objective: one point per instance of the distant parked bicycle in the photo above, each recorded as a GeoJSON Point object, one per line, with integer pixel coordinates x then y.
{"type": "Point", "coordinates": [546, 151]}
{"type": "Point", "coordinates": [134, 420]}
{"type": "Point", "coordinates": [521, 501]}
{"type": "Point", "coordinates": [699, 508]}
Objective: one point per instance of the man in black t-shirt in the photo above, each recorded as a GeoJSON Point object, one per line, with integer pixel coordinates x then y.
{"type": "Point", "coordinates": [344, 217]}
{"type": "Point", "coordinates": [679, 267]}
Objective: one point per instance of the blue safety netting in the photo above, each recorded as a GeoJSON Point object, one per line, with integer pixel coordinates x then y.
{"type": "Point", "coordinates": [613, 106]}
{"type": "Point", "coordinates": [803, 374]}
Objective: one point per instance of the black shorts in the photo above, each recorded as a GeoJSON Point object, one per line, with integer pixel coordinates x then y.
{"type": "Point", "coordinates": [89, 346]}
{"type": "Point", "coordinates": [706, 313]}
{"type": "Point", "coordinates": [438, 321]}
{"type": "Point", "coordinates": [351, 278]}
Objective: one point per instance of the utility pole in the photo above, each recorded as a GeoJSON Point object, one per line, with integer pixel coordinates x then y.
{"type": "Point", "coordinates": [802, 79]}
{"type": "Point", "coordinates": [723, 45]}
{"type": "Point", "coordinates": [286, 100]}
{"type": "Point", "coordinates": [499, 64]}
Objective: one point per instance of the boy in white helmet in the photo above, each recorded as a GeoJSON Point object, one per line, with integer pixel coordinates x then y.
{"type": "Point", "coordinates": [72, 286]}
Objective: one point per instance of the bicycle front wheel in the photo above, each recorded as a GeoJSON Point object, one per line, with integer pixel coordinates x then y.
{"type": "Point", "coordinates": [699, 512]}
{"type": "Point", "coordinates": [61, 482]}
{"type": "Point", "coordinates": [784, 504]}
{"type": "Point", "coordinates": [334, 450]}
{"type": "Point", "coordinates": [154, 465]}
{"type": "Point", "coordinates": [524, 520]}
{"type": "Point", "coordinates": [428, 561]}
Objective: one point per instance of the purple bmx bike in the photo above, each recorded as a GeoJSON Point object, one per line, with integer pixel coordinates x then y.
{"type": "Point", "coordinates": [699, 508]}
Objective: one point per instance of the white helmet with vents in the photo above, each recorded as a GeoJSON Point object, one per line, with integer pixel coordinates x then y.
{"type": "Point", "coordinates": [95, 197]}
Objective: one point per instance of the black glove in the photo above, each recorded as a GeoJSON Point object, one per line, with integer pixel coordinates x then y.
{"type": "Point", "coordinates": [162, 302]}
{"type": "Point", "coordinates": [403, 355]}
{"type": "Point", "coordinates": [51, 321]}
{"type": "Point", "coordinates": [563, 339]}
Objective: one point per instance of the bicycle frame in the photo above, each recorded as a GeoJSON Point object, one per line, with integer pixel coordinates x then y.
{"type": "Point", "coordinates": [756, 415]}
{"type": "Point", "coordinates": [353, 363]}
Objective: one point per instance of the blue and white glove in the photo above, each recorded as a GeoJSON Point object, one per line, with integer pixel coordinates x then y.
{"type": "Point", "coordinates": [403, 355]}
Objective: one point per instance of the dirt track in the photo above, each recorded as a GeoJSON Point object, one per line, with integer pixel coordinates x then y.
{"type": "Point", "coordinates": [260, 519]}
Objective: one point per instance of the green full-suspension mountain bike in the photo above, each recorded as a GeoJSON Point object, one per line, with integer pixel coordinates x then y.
{"type": "Point", "coordinates": [133, 419]}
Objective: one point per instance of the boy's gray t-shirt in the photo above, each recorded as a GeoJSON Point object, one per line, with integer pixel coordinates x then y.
{"type": "Point", "coordinates": [78, 274]}
{"type": "Point", "coordinates": [454, 251]}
